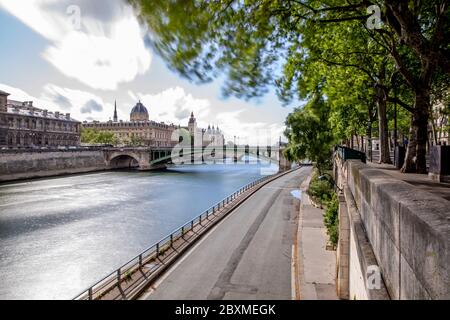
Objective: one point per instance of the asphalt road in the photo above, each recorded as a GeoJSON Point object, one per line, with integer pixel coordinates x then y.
{"type": "Point", "coordinates": [246, 256]}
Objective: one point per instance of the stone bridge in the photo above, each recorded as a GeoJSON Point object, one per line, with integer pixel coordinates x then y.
{"type": "Point", "coordinates": [28, 163]}
{"type": "Point", "coordinates": [151, 158]}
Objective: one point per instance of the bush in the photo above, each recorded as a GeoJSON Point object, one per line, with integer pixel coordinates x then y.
{"type": "Point", "coordinates": [331, 219]}
{"type": "Point", "coordinates": [322, 191]}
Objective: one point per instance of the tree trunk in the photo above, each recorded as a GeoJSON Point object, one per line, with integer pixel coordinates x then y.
{"type": "Point", "coordinates": [410, 157]}
{"type": "Point", "coordinates": [383, 131]}
{"type": "Point", "coordinates": [415, 161]}
{"type": "Point", "coordinates": [420, 122]}
{"type": "Point", "coordinates": [369, 141]}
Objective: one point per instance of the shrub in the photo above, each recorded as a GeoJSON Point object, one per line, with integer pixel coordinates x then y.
{"type": "Point", "coordinates": [320, 190]}
{"type": "Point", "coordinates": [331, 219]}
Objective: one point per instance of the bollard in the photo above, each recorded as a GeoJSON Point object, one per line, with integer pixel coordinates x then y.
{"type": "Point", "coordinates": [140, 260]}
{"type": "Point", "coordinates": [171, 239]}
{"type": "Point", "coordinates": [157, 249]}
{"type": "Point", "coordinates": [118, 276]}
{"type": "Point", "coordinates": [192, 225]}
{"type": "Point", "coordinates": [90, 293]}
{"type": "Point", "coordinates": [182, 232]}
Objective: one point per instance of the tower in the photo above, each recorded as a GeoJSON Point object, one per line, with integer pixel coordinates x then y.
{"type": "Point", "coordinates": [192, 125]}
{"type": "Point", "coordinates": [115, 111]}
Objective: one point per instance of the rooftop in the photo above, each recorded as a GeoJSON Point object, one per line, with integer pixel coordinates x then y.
{"type": "Point", "coordinates": [27, 109]}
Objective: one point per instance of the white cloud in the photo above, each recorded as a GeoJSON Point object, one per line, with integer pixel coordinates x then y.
{"type": "Point", "coordinates": [174, 105]}
{"type": "Point", "coordinates": [103, 52]}
{"type": "Point", "coordinates": [253, 133]}
{"type": "Point", "coordinates": [80, 104]}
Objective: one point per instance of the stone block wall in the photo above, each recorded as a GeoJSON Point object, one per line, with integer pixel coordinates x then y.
{"type": "Point", "coordinates": [31, 164]}
{"type": "Point", "coordinates": [408, 231]}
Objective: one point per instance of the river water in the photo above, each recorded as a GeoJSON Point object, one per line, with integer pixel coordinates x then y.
{"type": "Point", "coordinates": [59, 235]}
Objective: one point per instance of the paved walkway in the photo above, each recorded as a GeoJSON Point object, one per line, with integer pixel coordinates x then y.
{"type": "Point", "coordinates": [249, 255]}
{"type": "Point", "coordinates": [317, 270]}
{"type": "Point", "coordinates": [421, 181]}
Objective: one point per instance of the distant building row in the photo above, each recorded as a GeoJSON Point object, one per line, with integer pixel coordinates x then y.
{"type": "Point", "coordinates": [153, 133]}
{"type": "Point", "coordinates": [22, 125]}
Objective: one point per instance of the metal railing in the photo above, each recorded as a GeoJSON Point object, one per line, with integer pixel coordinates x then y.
{"type": "Point", "coordinates": [115, 278]}
{"type": "Point", "coordinates": [346, 153]}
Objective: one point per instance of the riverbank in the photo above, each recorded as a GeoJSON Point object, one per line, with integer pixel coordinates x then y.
{"type": "Point", "coordinates": [22, 164]}
{"type": "Point", "coordinates": [61, 234]}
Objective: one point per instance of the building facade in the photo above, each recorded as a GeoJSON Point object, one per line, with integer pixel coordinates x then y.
{"type": "Point", "coordinates": [139, 129]}
{"type": "Point", "coordinates": [209, 137]}
{"type": "Point", "coordinates": [439, 129]}
{"type": "Point", "coordinates": [22, 125]}
{"type": "Point", "coordinates": [151, 133]}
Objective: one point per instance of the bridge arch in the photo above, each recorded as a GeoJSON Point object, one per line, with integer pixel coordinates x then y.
{"type": "Point", "coordinates": [122, 161]}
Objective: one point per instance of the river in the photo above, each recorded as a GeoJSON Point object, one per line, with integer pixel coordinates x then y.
{"type": "Point", "coordinates": [59, 235]}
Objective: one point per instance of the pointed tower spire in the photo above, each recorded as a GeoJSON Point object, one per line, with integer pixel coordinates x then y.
{"type": "Point", "coordinates": [115, 111]}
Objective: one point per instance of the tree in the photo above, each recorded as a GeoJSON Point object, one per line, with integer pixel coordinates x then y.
{"type": "Point", "coordinates": [136, 141]}
{"type": "Point", "coordinates": [94, 136]}
{"type": "Point", "coordinates": [309, 133]}
{"type": "Point", "coordinates": [247, 41]}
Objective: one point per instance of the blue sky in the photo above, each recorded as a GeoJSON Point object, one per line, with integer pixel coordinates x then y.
{"type": "Point", "coordinates": [80, 63]}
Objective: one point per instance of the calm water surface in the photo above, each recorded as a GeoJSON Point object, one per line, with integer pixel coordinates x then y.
{"type": "Point", "coordinates": [60, 235]}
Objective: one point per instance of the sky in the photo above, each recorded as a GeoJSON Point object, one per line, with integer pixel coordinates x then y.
{"type": "Point", "coordinates": [80, 56]}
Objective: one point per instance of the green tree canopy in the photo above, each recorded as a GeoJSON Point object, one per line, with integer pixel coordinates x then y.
{"type": "Point", "coordinates": [300, 44]}
{"type": "Point", "coordinates": [309, 132]}
{"type": "Point", "coordinates": [94, 136]}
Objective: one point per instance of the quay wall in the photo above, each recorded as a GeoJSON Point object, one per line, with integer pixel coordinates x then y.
{"type": "Point", "coordinates": [21, 164]}
{"type": "Point", "coordinates": [403, 231]}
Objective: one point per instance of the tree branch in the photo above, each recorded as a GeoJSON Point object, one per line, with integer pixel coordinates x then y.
{"type": "Point", "coordinates": [401, 103]}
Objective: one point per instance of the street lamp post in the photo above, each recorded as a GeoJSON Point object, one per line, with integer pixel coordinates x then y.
{"type": "Point", "coordinates": [203, 149]}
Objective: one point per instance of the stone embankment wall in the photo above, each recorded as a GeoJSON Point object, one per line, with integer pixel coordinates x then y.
{"type": "Point", "coordinates": [394, 226]}
{"type": "Point", "coordinates": [19, 164]}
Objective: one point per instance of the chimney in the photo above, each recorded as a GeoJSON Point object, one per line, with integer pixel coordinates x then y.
{"type": "Point", "coordinates": [68, 116]}
{"type": "Point", "coordinates": [44, 113]}
{"type": "Point", "coordinates": [3, 101]}
{"type": "Point", "coordinates": [30, 103]}
{"type": "Point", "coordinates": [56, 114]}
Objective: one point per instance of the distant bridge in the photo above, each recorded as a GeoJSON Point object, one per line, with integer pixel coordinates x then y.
{"type": "Point", "coordinates": [151, 158]}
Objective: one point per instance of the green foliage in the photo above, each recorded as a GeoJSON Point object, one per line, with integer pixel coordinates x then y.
{"type": "Point", "coordinates": [94, 136]}
{"type": "Point", "coordinates": [309, 133]}
{"type": "Point", "coordinates": [322, 192]}
{"type": "Point", "coordinates": [135, 141]}
{"type": "Point", "coordinates": [303, 46]}
{"type": "Point", "coordinates": [331, 219]}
